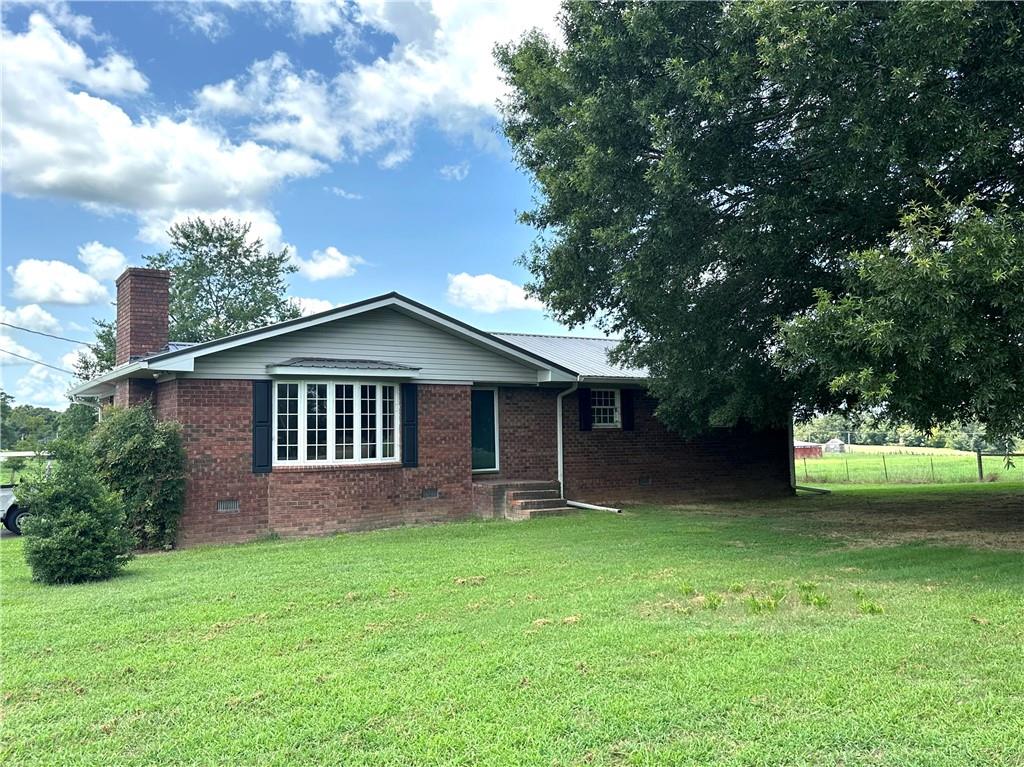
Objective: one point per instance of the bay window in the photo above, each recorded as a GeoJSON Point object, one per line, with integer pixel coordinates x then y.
{"type": "Point", "coordinates": [335, 422]}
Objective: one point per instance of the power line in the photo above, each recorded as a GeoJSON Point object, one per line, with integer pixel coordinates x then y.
{"type": "Point", "coordinates": [41, 333]}
{"type": "Point", "coordinates": [37, 362]}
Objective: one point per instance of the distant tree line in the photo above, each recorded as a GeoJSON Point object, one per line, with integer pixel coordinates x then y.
{"type": "Point", "coordinates": [856, 431]}
{"type": "Point", "coordinates": [29, 427]}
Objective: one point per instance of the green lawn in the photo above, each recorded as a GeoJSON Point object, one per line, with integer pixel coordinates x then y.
{"type": "Point", "coordinates": [903, 468]}
{"type": "Point", "coordinates": [864, 628]}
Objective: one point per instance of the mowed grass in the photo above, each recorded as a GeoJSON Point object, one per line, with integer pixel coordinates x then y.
{"type": "Point", "coordinates": [839, 630]}
{"type": "Point", "coordinates": [903, 468]}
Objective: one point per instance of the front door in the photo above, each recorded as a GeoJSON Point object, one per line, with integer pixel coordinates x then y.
{"type": "Point", "coordinates": [485, 429]}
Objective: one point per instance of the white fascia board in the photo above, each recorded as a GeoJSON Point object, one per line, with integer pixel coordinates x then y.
{"type": "Point", "coordinates": [306, 372]}
{"type": "Point", "coordinates": [550, 375]}
{"type": "Point", "coordinates": [174, 365]}
{"type": "Point", "coordinates": [111, 376]}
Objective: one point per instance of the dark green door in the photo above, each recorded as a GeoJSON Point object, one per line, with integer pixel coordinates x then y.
{"type": "Point", "coordinates": [484, 430]}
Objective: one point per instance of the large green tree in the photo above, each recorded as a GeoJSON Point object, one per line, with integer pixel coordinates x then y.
{"type": "Point", "coordinates": [703, 168]}
{"type": "Point", "coordinates": [224, 280]}
{"type": "Point", "coordinates": [928, 329]}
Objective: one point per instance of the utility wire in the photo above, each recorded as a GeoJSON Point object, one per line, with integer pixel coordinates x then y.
{"type": "Point", "coordinates": [41, 333]}
{"type": "Point", "coordinates": [37, 362]}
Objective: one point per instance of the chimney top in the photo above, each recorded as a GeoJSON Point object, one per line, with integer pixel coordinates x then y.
{"type": "Point", "coordinates": [142, 308]}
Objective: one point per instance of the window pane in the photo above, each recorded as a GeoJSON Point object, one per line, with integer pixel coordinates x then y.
{"type": "Point", "coordinates": [387, 415]}
{"type": "Point", "coordinates": [287, 422]}
{"type": "Point", "coordinates": [368, 421]}
{"type": "Point", "coordinates": [344, 422]}
{"type": "Point", "coordinates": [316, 422]}
{"type": "Point", "coordinates": [604, 407]}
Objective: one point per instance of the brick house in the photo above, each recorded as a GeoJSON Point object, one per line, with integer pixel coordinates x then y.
{"type": "Point", "coordinates": [387, 412]}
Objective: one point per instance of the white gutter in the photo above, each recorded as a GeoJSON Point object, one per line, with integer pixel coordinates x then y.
{"type": "Point", "coordinates": [558, 430]}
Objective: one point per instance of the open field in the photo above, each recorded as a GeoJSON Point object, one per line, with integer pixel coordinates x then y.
{"type": "Point", "coordinates": [889, 467]}
{"type": "Point", "coordinates": [869, 627]}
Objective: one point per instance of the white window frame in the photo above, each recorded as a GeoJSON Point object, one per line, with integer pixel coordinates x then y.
{"type": "Point", "coordinates": [332, 436]}
{"type": "Point", "coordinates": [617, 395]}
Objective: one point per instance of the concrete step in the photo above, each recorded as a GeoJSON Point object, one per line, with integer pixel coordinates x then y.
{"type": "Point", "coordinates": [534, 504]}
{"type": "Point", "coordinates": [529, 495]}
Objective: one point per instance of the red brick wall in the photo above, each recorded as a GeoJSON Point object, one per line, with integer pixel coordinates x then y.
{"type": "Point", "coordinates": [142, 302]}
{"type": "Point", "coordinates": [133, 391]}
{"type": "Point", "coordinates": [216, 416]}
{"type": "Point", "coordinates": [652, 463]}
{"type": "Point", "coordinates": [528, 442]}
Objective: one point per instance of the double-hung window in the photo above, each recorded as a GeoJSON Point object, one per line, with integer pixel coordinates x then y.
{"type": "Point", "coordinates": [606, 409]}
{"type": "Point", "coordinates": [325, 422]}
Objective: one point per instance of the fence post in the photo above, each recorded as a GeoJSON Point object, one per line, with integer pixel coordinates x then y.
{"type": "Point", "coordinates": [931, 458]}
{"type": "Point", "coordinates": [981, 470]}
{"type": "Point", "coordinates": [885, 468]}
{"type": "Point", "coordinates": [847, 462]}
{"type": "Point", "coordinates": [805, 469]}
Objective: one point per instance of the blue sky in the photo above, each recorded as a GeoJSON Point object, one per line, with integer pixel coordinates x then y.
{"type": "Point", "coordinates": [361, 136]}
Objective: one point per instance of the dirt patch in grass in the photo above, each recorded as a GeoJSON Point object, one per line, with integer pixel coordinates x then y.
{"type": "Point", "coordinates": [956, 517]}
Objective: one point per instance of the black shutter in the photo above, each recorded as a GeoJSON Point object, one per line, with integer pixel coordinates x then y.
{"type": "Point", "coordinates": [262, 428]}
{"type": "Point", "coordinates": [626, 405]}
{"type": "Point", "coordinates": [410, 425]}
{"type": "Point", "coordinates": [586, 414]}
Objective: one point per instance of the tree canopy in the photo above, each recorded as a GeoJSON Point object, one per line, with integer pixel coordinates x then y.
{"type": "Point", "coordinates": [704, 168]}
{"type": "Point", "coordinates": [223, 281]}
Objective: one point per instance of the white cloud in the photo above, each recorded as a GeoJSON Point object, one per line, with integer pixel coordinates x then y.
{"type": "Point", "coordinates": [318, 17]}
{"type": "Point", "coordinates": [102, 261]}
{"type": "Point", "coordinates": [455, 172]}
{"type": "Point", "coordinates": [290, 107]}
{"type": "Point", "coordinates": [31, 316]}
{"type": "Point", "coordinates": [488, 294]}
{"type": "Point", "coordinates": [327, 263]}
{"type": "Point", "coordinates": [201, 17]}
{"type": "Point", "coordinates": [17, 351]}
{"type": "Point", "coordinates": [342, 193]}
{"type": "Point", "coordinates": [54, 282]}
{"type": "Point", "coordinates": [312, 305]}
{"type": "Point", "coordinates": [69, 360]}
{"type": "Point", "coordinates": [44, 387]}
{"type": "Point", "coordinates": [61, 140]}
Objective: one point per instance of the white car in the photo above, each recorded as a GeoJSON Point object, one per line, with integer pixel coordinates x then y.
{"type": "Point", "coordinates": [11, 514]}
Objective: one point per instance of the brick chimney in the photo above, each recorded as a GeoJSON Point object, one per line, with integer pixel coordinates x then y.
{"type": "Point", "coordinates": [142, 303]}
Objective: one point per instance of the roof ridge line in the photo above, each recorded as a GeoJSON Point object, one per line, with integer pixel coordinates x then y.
{"type": "Point", "coordinates": [552, 335]}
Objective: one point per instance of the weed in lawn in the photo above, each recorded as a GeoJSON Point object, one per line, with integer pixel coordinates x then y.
{"type": "Point", "coordinates": [737, 587]}
{"type": "Point", "coordinates": [687, 589]}
{"type": "Point", "coordinates": [867, 607]}
{"type": "Point", "coordinates": [815, 599]}
{"type": "Point", "coordinates": [713, 601]}
{"type": "Point", "coordinates": [762, 603]}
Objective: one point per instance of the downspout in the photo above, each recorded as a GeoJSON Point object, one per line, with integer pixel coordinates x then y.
{"type": "Point", "coordinates": [558, 430]}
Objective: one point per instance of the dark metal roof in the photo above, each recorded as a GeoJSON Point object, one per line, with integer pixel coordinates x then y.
{"type": "Point", "coordinates": [327, 362]}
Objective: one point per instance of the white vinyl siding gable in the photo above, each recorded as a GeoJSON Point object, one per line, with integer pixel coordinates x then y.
{"type": "Point", "coordinates": [382, 334]}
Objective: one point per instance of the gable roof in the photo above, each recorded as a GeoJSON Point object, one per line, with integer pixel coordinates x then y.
{"type": "Point", "coordinates": [558, 357]}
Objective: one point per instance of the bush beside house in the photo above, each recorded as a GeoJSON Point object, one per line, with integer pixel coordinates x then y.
{"type": "Point", "coordinates": [143, 460]}
{"type": "Point", "coordinates": [76, 532]}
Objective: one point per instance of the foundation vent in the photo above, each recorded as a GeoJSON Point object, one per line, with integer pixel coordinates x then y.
{"type": "Point", "coordinates": [430, 492]}
{"type": "Point", "coordinates": [229, 507]}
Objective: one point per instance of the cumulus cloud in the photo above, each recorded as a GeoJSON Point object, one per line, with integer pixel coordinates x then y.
{"type": "Point", "coordinates": [61, 139]}
{"type": "Point", "coordinates": [326, 264]}
{"type": "Point", "coordinates": [488, 294]}
{"type": "Point", "coordinates": [308, 306]}
{"type": "Point", "coordinates": [204, 18]}
{"type": "Point", "coordinates": [290, 107]}
{"type": "Point", "coordinates": [31, 316]}
{"type": "Point", "coordinates": [69, 360]}
{"type": "Point", "coordinates": [54, 282]}
{"type": "Point", "coordinates": [455, 172]}
{"type": "Point", "coordinates": [44, 387]}
{"type": "Point", "coordinates": [13, 353]}
{"type": "Point", "coordinates": [102, 261]}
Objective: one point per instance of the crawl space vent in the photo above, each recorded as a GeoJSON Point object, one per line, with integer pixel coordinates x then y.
{"type": "Point", "coordinates": [228, 507]}
{"type": "Point", "coordinates": [430, 492]}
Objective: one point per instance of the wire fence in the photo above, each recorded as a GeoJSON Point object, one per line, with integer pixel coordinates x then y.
{"type": "Point", "coordinates": [898, 468]}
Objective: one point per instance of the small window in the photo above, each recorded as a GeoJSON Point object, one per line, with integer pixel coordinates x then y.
{"type": "Point", "coordinates": [287, 422]}
{"type": "Point", "coordinates": [605, 409]}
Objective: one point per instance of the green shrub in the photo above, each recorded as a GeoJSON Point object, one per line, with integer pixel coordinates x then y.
{"type": "Point", "coordinates": [76, 531]}
{"type": "Point", "coordinates": [143, 460]}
